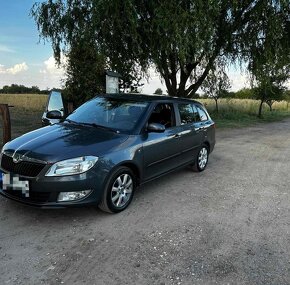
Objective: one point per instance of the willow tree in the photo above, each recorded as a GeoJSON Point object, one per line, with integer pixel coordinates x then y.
{"type": "Point", "coordinates": [84, 72]}
{"type": "Point", "coordinates": [183, 39]}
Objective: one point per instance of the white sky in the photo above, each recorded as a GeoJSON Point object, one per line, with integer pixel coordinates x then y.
{"type": "Point", "coordinates": [48, 75]}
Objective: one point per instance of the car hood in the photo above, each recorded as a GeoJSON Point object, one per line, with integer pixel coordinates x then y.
{"type": "Point", "coordinates": [63, 141]}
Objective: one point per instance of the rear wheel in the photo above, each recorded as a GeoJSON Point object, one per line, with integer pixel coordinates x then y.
{"type": "Point", "coordinates": [119, 190]}
{"type": "Point", "coordinates": [201, 159]}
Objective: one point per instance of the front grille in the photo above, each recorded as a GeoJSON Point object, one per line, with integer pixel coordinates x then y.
{"type": "Point", "coordinates": [25, 168]}
{"type": "Point", "coordinates": [40, 197]}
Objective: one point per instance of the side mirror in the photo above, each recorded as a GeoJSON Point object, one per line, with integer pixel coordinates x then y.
{"type": "Point", "coordinates": [55, 114]}
{"type": "Point", "coordinates": [156, 128]}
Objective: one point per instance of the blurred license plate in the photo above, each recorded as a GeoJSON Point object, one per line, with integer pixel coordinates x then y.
{"type": "Point", "coordinates": [14, 182]}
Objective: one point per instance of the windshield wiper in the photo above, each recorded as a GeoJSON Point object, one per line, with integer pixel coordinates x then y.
{"type": "Point", "coordinates": [100, 127]}
{"type": "Point", "coordinates": [71, 121]}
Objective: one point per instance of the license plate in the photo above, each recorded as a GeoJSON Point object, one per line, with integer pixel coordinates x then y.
{"type": "Point", "coordinates": [14, 182]}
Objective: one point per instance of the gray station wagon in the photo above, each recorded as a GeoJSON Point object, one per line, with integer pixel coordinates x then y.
{"type": "Point", "coordinates": [107, 147]}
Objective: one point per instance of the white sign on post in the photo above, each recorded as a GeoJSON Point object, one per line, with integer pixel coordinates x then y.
{"type": "Point", "coordinates": [112, 84]}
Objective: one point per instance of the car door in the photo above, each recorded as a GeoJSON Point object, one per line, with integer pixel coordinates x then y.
{"type": "Point", "coordinates": [190, 132]}
{"type": "Point", "coordinates": [205, 124]}
{"type": "Point", "coordinates": [161, 150]}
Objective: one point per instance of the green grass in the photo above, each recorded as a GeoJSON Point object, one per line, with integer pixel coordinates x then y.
{"type": "Point", "coordinates": [235, 113]}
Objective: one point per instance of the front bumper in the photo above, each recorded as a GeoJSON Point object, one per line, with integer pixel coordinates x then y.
{"type": "Point", "coordinates": [44, 191]}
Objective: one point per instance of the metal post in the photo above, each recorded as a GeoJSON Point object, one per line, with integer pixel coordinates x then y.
{"type": "Point", "coordinates": [4, 111]}
{"type": "Point", "coordinates": [70, 107]}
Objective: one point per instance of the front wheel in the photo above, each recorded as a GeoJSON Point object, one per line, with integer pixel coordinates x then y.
{"type": "Point", "coordinates": [201, 159]}
{"type": "Point", "coordinates": [119, 190]}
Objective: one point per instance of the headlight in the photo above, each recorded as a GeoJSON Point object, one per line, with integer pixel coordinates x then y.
{"type": "Point", "coordinates": [72, 166]}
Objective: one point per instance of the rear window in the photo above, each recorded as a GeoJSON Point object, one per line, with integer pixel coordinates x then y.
{"type": "Point", "coordinates": [188, 113]}
{"type": "Point", "coordinates": [202, 114]}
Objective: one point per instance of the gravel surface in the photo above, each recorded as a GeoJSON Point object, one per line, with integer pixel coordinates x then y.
{"type": "Point", "coordinates": [227, 225]}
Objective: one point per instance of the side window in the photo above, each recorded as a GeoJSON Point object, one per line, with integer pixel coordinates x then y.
{"type": "Point", "coordinates": [186, 113]}
{"type": "Point", "coordinates": [196, 114]}
{"type": "Point", "coordinates": [202, 114]}
{"type": "Point", "coordinates": [163, 114]}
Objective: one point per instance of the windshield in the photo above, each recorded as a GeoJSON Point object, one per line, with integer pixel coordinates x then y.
{"type": "Point", "coordinates": [113, 113]}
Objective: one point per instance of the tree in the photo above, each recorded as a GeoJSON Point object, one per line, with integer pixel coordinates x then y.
{"type": "Point", "coordinates": [21, 89]}
{"type": "Point", "coordinates": [269, 87]}
{"type": "Point", "coordinates": [244, 93]}
{"type": "Point", "coordinates": [85, 72]}
{"type": "Point", "coordinates": [183, 39]}
{"type": "Point", "coordinates": [158, 91]}
{"type": "Point", "coordinates": [216, 85]}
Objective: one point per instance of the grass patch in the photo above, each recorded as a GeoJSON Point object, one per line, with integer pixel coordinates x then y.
{"type": "Point", "coordinates": [235, 113]}
{"type": "Point", "coordinates": [34, 102]}
{"type": "Point", "coordinates": [22, 121]}
{"type": "Point", "coordinates": [25, 115]}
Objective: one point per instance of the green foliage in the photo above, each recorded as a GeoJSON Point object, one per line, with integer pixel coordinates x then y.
{"type": "Point", "coordinates": [244, 93]}
{"type": "Point", "coordinates": [287, 95]}
{"type": "Point", "coordinates": [184, 40]}
{"type": "Point", "coordinates": [158, 91]}
{"type": "Point", "coordinates": [269, 79]}
{"type": "Point", "coordinates": [239, 113]}
{"type": "Point", "coordinates": [216, 85]}
{"type": "Point", "coordinates": [21, 89]}
{"type": "Point", "coordinates": [85, 72]}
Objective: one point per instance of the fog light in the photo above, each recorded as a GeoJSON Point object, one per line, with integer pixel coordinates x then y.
{"type": "Point", "coordinates": [71, 196]}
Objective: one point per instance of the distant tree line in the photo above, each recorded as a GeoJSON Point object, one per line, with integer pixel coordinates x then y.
{"type": "Point", "coordinates": [21, 89]}
{"type": "Point", "coordinates": [244, 93]}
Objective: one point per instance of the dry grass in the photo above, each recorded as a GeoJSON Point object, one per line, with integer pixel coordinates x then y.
{"type": "Point", "coordinates": [243, 105]}
{"type": "Point", "coordinates": [35, 102]}
{"type": "Point", "coordinates": [26, 113]}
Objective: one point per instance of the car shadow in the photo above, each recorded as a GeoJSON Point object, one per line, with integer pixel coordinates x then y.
{"type": "Point", "coordinates": [148, 192]}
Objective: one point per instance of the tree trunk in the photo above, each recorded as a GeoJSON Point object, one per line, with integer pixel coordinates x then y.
{"type": "Point", "coordinates": [260, 109]}
{"type": "Point", "coordinates": [216, 105]}
{"type": "Point", "coordinates": [4, 111]}
{"type": "Point", "coordinates": [270, 103]}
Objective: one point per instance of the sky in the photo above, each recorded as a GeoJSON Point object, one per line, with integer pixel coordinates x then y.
{"type": "Point", "coordinates": [27, 60]}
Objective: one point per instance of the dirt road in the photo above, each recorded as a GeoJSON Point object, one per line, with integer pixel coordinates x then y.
{"type": "Point", "coordinates": [227, 225]}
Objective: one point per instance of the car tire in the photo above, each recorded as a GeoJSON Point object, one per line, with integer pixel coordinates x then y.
{"type": "Point", "coordinates": [201, 159]}
{"type": "Point", "coordinates": [119, 190]}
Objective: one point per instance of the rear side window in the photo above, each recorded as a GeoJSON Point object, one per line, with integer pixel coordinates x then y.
{"type": "Point", "coordinates": [186, 113]}
{"type": "Point", "coordinates": [202, 113]}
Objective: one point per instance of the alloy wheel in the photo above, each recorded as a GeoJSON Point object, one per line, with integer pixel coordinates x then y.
{"type": "Point", "coordinates": [122, 190]}
{"type": "Point", "coordinates": [202, 158]}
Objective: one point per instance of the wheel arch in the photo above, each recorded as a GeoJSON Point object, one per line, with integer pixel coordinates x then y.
{"type": "Point", "coordinates": [132, 166]}
{"type": "Point", "coordinates": [207, 144]}
{"type": "Point", "coordinates": [135, 170]}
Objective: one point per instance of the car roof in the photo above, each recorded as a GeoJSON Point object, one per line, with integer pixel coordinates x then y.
{"type": "Point", "coordinates": [147, 97]}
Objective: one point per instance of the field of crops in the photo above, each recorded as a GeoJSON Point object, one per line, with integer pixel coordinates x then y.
{"type": "Point", "coordinates": [25, 114]}
{"type": "Point", "coordinates": [25, 101]}
{"type": "Point", "coordinates": [28, 108]}
{"type": "Point", "coordinates": [243, 112]}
